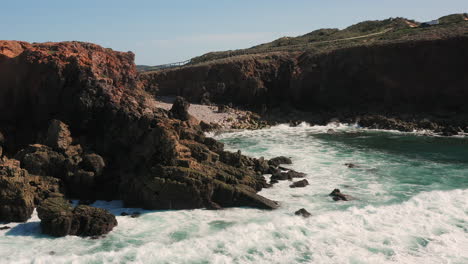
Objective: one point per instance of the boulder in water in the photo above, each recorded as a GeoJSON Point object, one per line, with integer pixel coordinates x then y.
{"type": "Point", "coordinates": [338, 196]}
{"type": "Point", "coordinates": [299, 184]}
{"type": "Point", "coordinates": [279, 160]}
{"type": "Point", "coordinates": [351, 165]}
{"type": "Point", "coordinates": [303, 212]}
{"type": "Point", "coordinates": [59, 218]}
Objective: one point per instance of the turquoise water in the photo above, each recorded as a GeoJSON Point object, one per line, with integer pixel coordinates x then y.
{"type": "Point", "coordinates": [411, 207]}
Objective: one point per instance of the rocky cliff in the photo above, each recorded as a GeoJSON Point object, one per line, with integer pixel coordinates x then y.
{"type": "Point", "coordinates": [402, 77]}
{"type": "Point", "coordinates": [75, 112]}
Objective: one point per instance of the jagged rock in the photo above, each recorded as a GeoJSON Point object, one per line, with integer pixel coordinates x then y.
{"type": "Point", "coordinates": [294, 174]}
{"type": "Point", "coordinates": [338, 196]}
{"type": "Point", "coordinates": [59, 218]}
{"type": "Point", "coordinates": [180, 109]}
{"type": "Point", "coordinates": [42, 160]}
{"type": "Point", "coordinates": [262, 165]}
{"type": "Point", "coordinates": [279, 160]}
{"type": "Point", "coordinates": [58, 135]}
{"type": "Point", "coordinates": [280, 176]}
{"type": "Point", "coordinates": [152, 160]}
{"type": "Point", "coordinates": [299, 184]}
{"type": "Point", "coordinates": [5, 228]}
{"type": "Point", "coordinates": [302, 212]}
{"type": "Point", "coordinates": [16, 195]}
{"type": "Point", "coordinates": [351, 165]}
{"type": "Point", "coordinates": [273, 181]}
{"type": "Point", "coordinates": [451, 131]}
{"type": "Point", "coordinates": [230, 196]}
{"type": "Point", "coordinates": [94, 163]}
{"type": "Point", "coordinates": [291, 174]}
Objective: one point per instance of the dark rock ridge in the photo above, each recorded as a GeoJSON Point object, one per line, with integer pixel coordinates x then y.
{"type": "Point", "coordinates": [401, 85]}
{"type": "Point", "coordinates": [75, 112]}
{"type": "Point", "coordinates": [59, 218]}
{"type": "Point", "coordinates": [299, 184]}
{"type": "Point", "coordinates": [337, 195]}
{"type": "Point", "coordinates": [303, 212]}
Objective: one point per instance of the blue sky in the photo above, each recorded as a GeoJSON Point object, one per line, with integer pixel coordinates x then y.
{"type": "Point", "coordinates": [175, 30]}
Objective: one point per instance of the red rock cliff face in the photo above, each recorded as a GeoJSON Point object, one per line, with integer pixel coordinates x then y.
{"type": "Point", "coordinates": [110, 143]}
{"type": "Point", "coordinates": [428, 75]}
{"type": "Point", "coordinates": [39, 80]}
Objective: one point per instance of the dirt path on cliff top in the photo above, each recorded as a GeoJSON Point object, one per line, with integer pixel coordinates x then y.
{"type": "Point", "coordinates": [206, 113]}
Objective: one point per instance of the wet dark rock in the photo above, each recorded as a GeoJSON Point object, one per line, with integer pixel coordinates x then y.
{"type": "Point", "coordinates": [124, 214]}
{"type": "Point", "coordinates": [280, 176]}
{"type": "Point", "coordinates": [5, 228]}
{"type": "Point", "coordinates": [135, 215]}
{"type": "Point", "coordinates": [151, 158]}
{"type": "Point", "coordinates": [97, 237]}
{"type": "Point", "coordinates": [43, 160]}
{"type": "Point", "coordinates": [451, 131]}
{"type": "Point", "coordinates": [289, 175]}
{"type": "Point", "coordinates": [279, 160]}
{"type": "Point", "coordinates": [59, 218]}
{"type": "Point", "coordinates": [351, 165]}
{"type": "Point", "coordinates": [294, 174]}
{"type": "Point", "coordinates": [303, 212]}
{"type": "Point", "coordinates": [299, 184]}
{"type": "Point", "coordinates": [338, 196]}
{"type": "Point", "coordinates": [273, 181]}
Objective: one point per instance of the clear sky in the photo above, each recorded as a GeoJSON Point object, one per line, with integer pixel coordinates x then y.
{"type": "Point", "coordinates": [175, 30]}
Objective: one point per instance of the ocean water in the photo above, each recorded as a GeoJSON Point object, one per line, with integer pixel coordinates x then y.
{"type": "Point", "coordinates": [411, 206]}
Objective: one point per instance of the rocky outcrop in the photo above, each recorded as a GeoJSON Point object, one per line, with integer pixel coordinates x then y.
{"type": "Point", "coordinates": [299, 184]}
{"type": "Point", "coordinates": [80, 116]}
{"type": "Point", "coordinates": [16, 195]}
{"type": "Point", "coordinates": [279, 160]}
{"type": "Point", "coordinates": [20, 191]}
{"type": "Point", "coordinates": [59, 218]}
{"type": "Point", "coordinates": [337, 195]}
{"type": "Point", "coordinates": [404, 80]}
{"type": "Point", "coordinates": [303, 212]}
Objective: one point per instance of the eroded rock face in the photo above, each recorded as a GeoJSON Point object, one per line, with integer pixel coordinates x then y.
{"type": "Point", "coordinates": [58, 135]}
{"type": "Point", "coordinates": [20, 191]}
{"type": "Point", "coordinates": [392, 79]}
{"type": "Point", "coordinates": [16, 195]}
{"type": "Point", "coordinates": [106, 140]}
{"type": "Point", "coordinates": [59, 218]}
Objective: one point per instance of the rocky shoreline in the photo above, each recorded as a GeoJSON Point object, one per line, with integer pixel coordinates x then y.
{"type": "Point", "coordinates": [78, 122]}
{"type": "Point", "coordinates": [75, 123]}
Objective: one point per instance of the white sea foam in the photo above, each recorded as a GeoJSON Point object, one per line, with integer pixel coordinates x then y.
{"type": "Point", "coordinates": [396, 218]}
